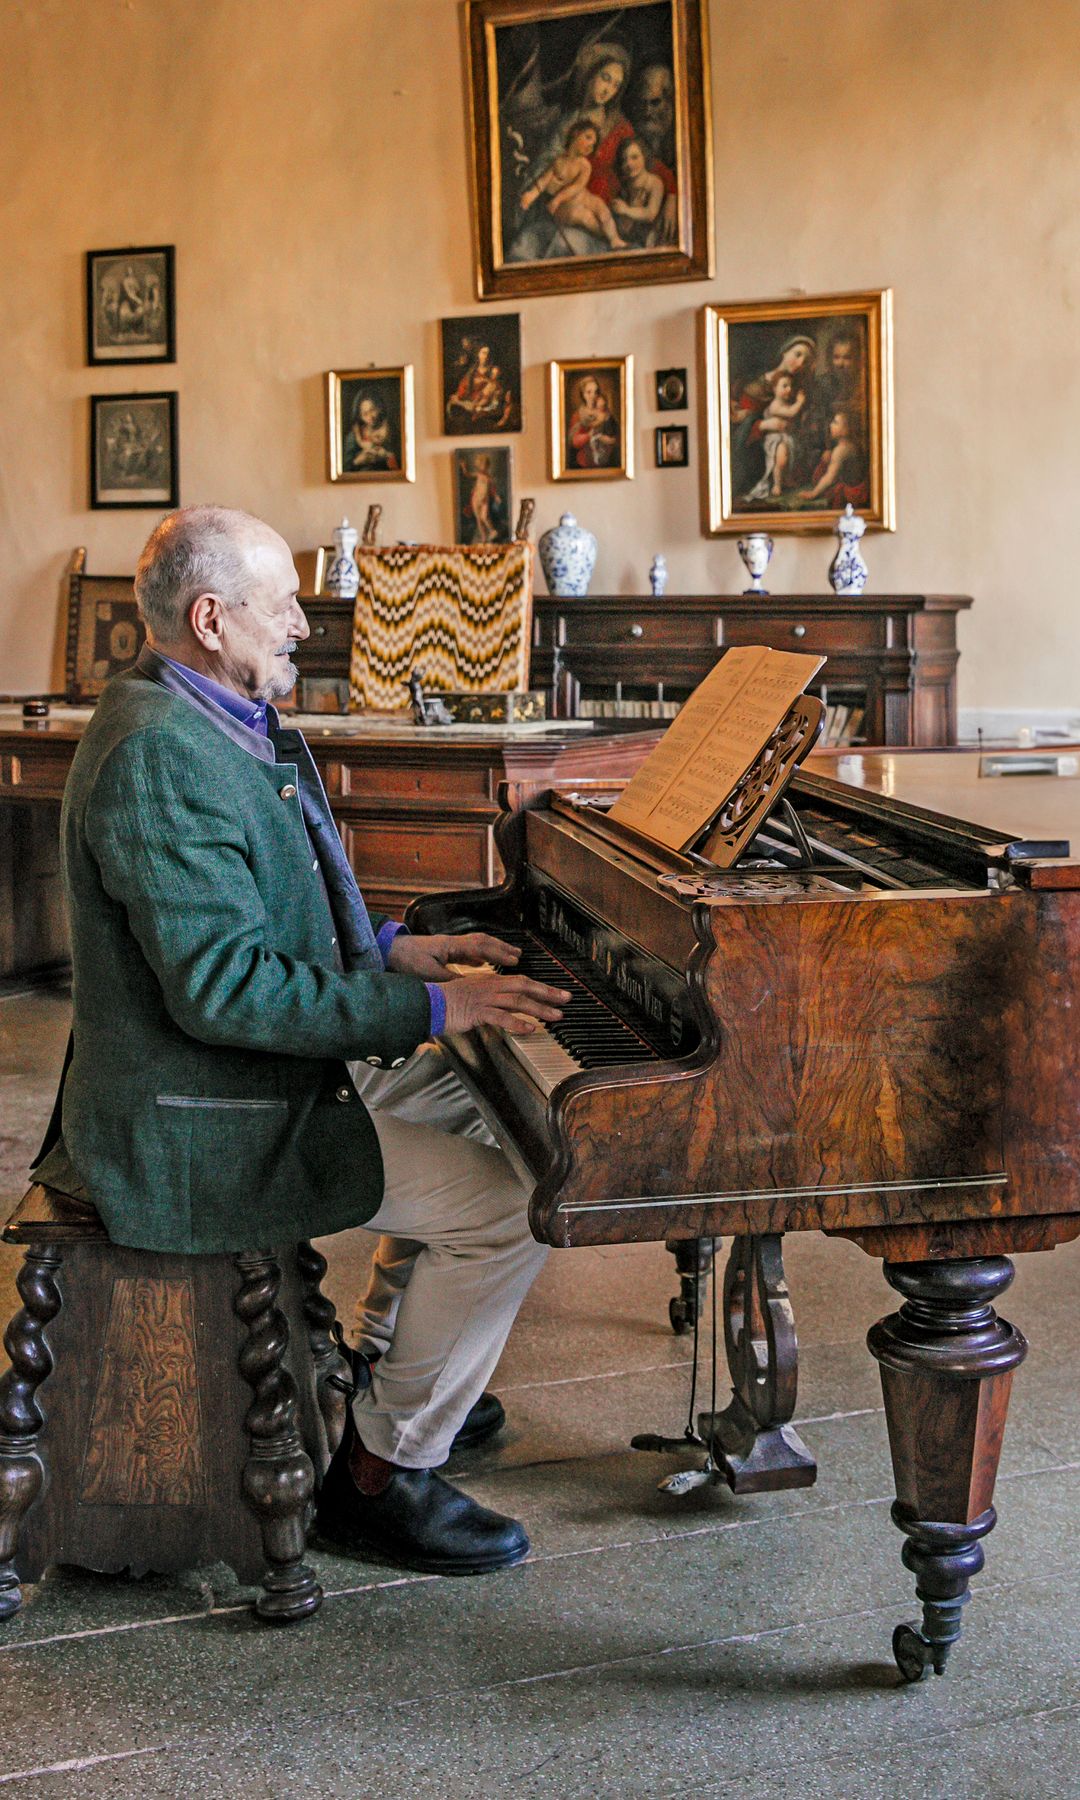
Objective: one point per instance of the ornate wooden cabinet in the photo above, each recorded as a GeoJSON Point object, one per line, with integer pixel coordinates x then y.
{"type": "Point", "coordinates": [890, 674]}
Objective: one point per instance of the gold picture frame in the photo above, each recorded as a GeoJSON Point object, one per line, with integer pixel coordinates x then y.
{"type": "Point", "coordinates": [371, 431]}
{"type": "Point", "coordinates": [798, 413]}
{"type": "Point", "coordinates": [592, 429]}
{"type": "Point", "coordinates": [639, 69]}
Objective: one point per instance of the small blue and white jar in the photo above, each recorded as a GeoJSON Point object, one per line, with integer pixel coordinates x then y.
{"type": "Point", "coordinates": [568, 557]}
{"type": "Point", "coordinates": [342, 578]}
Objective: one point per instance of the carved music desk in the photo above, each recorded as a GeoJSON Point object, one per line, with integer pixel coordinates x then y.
{"type": "Point", "coordinates": [866, 1028]}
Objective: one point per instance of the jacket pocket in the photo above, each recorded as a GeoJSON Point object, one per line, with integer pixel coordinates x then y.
{"type": "Point", "coordinates": [212, 1103]}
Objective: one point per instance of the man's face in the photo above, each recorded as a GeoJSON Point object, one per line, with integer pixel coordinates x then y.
{"type": "Point", "coordinates": [655, 105]}
{"type": "Point", "coordinates": [843, 360]}
{"type": "Point", "coordinates": [258, 635]}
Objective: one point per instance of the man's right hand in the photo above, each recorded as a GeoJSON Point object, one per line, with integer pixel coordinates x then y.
{"type": "Point", "coordinates": [512, 1001]}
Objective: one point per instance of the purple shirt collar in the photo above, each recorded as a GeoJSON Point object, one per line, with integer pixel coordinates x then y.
{"type": "Point", "coordinates": [251, 713]}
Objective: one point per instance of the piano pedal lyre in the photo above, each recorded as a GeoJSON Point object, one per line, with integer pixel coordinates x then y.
{"type": "Point", "coordinates": [752, 1442]}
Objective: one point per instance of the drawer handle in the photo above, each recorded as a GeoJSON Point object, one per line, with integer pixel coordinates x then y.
{"type": "Point", "coordinates": [320, 631]}
{"type": "Point", "coordinates": [798, 631]}
{"type": "Point", "coordinates": [637, 631]}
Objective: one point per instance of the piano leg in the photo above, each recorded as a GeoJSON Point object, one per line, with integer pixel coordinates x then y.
{"type": "Point", "coordinates": [752, 1441]}
{"type": "Point", "coordinates": [946, 1369]}
{"type": "Point", "coordinates": [693, 1264]}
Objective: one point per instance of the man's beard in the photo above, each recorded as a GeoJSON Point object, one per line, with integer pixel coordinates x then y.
{"type": "Point", "coordinates": [284, 679]}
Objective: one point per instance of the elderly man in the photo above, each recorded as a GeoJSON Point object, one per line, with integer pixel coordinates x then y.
{"type": "Point", "coordinates": [226, 971]}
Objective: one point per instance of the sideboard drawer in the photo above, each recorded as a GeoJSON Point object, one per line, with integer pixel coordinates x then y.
{"type": "Point", "coordinates": [852, 633]}
{"type": "Point", "coordinates": [635, 626]}
{"type": "Point", "coordinates": [455, 781]}
{"type": "Point", "coordinates": [420, 856]}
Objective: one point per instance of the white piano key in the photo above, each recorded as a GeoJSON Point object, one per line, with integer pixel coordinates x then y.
{"type": "Point", "coordinates": [543, 1058]}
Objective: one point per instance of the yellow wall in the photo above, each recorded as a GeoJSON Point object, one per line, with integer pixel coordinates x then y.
{"type": "Point", "coordinates": [308, 159]}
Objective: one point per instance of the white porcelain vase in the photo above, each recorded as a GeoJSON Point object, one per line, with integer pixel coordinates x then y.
{"type": "Point", "coordinates": [342, 578]}
{"type": "Point", "coordinates": [848, 573]}
{"type": "Point", "coordinates": [755, 549]}
{"type": "Point", "coordinates": [567, 557]}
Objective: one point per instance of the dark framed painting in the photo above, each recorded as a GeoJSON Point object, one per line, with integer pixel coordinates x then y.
{"type": "Point", "coordinates": [671, 390]}
{"type": "Point", "coordinates": [371, 434]}
{"type": "Point", "coordinates": [104, 630]}
{"type": "Point", "coordinates": [131, 305]}
{"type": "Point", "coordinates": [672, 446]}
{"type": "Point", "coordinates": [483, 501]}
{"type": "Point", "coordinates": [591, 147]}
{"type": "Point", "coordinates": [592, 419]}
{"type": "Point", "coordinates": [799, 412]}
{"type": "Point", "coordinates": [481, 374]}
{"type": "Point", "coordinates": [133, 450]}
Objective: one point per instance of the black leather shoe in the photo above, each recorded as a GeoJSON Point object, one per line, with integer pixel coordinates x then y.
{"type": "Point", "coordinates": [418, 1520]}
{"type": "Point", "coordinates": [482, 1421]}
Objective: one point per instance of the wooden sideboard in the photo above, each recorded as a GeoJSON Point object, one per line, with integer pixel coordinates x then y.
{"type": "Point", "coordinates": [891, 657]}
{"type": "Point", "coordinates": [415, 807]}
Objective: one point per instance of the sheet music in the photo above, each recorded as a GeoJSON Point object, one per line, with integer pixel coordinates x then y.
{"type": "Point", "coordinates": [724, 725]}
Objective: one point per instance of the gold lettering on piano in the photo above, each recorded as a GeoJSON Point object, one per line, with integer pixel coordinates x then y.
{"type": "Point", "coordinates": [704, 753]}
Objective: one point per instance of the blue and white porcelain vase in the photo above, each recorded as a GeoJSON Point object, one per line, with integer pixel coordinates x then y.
{"type": "Point", "coordinates": [848, 573]}
{"type": "Point", "coordinates": [342, 578]}
{"type": "Point", "coordinates": [567, 557]}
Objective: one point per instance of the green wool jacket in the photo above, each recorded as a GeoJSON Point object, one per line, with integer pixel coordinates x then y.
{"type": "Point", "coordinates": [207, 1106]}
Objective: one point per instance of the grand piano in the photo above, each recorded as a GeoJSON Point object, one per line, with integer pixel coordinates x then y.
{"type": "Point", "coordinates": [863, 1027]}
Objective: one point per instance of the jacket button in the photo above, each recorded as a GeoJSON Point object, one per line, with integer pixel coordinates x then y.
{"type": "Point", "coordinates": [398, 1062]}
{"type": "Point", "coordinates": [343, 1093]}
{"type": "Point", "coordinates": [375, 1061]}
{"type": "Point", "coordinates": [288, 792]}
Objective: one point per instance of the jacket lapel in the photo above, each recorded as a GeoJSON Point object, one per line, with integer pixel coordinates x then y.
{"type": "Point", "coordinates": [288, 747]}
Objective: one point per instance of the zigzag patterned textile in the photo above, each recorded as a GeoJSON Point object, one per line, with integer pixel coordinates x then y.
{"type": "Point", "coordinates": [461, 616]}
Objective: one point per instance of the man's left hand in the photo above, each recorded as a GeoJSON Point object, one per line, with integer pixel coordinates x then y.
{"type": "Point", "coordinates": [430, 957]}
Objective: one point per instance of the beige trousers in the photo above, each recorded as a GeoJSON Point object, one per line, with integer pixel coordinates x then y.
{"type": "Point", "coordinates": [455, 1260]}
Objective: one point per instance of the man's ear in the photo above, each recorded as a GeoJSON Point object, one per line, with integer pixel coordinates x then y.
{"type": "Point", "coordinates": [205, 617]}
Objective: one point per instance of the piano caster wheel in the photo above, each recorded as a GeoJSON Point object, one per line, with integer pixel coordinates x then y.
{"type": "Point", "coordinates": [682, 1314]}
{"type": "Point", "coordinates": [914, 1656]}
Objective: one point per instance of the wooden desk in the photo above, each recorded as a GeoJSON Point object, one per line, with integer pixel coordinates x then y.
{"type": "Point", "coordinates": [415, 807]}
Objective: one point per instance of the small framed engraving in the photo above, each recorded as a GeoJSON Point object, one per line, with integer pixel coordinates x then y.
{"type": "Point", "coordinates": [133, 451]}
{"type": "Point", "coordinates": [131, 305]}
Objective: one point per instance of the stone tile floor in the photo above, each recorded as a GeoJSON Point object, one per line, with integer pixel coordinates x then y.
{"type": "Point", "coordinates": [650, 1646]}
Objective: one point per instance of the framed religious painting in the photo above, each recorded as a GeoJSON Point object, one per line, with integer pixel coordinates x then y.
{"type": "Point", "coordinates": [371, 434]}
{"type": "Point", "coordinates": [481, 374]}
{"type": "Point", "coordinates": [799, 413]}
{"type": "Point", "coordinates": [133, 451]}
{"type": "Point", "coordinates": [591, 147]}
{"type": "Point", "coordinates": [131, 305]}
{"type": "Point", "coordinates": [483, 506]}
{"type": "Point", "coordinates": [592, 419]}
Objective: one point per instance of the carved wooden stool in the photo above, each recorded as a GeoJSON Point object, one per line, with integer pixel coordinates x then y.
{"type": "Point", "coordinates": [162, 1411]}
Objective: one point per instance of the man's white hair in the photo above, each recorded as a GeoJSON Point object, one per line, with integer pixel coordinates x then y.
{"type": "Point", "coordinates": [197, 550]}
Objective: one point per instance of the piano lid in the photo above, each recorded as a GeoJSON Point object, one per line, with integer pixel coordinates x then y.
{"type": "Point", "coordinates": [941, 793]}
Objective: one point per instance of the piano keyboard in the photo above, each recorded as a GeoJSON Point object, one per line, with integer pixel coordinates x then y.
{"type": "Point", "coordinates": [588, 1036]}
